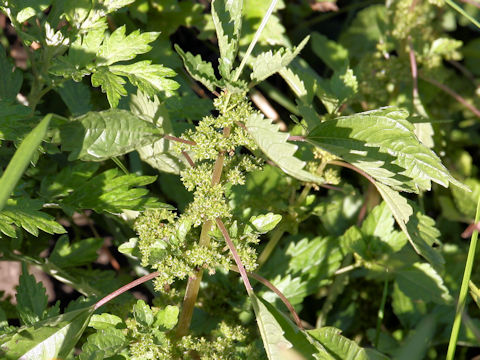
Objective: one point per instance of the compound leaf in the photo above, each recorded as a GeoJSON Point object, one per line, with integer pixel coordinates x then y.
{"type": "Point", "coordinates": [111, 84]}
{"type": "Point", "coordinates": [118, 47]}
{"type": "Point", "coordinates": [274, 145]}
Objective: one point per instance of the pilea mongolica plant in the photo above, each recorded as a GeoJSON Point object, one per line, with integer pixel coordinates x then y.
{"type": "Point", "coordinates": [222, 180]}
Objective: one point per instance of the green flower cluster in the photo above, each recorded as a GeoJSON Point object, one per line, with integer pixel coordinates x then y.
{"type": "Point", "coordinates": [167, 241]}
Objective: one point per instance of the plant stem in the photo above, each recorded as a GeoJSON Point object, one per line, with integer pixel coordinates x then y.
{"type": "Point", "coordinates": [124, 288]}
{"type": "Point", "coordinates": [462, 298]}
{"type": "Point", "coordinates": [269, 12]}
{"type": "Point", "coordinates": [193, 284]}
{"type": "Point", "coordinates": [381, 312]}
{"type": "Point", "coordinates": [272, 243]}
{"type": "Point", "coordinates": [276, 291]}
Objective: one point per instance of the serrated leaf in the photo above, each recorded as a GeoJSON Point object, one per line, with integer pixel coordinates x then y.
{"type": "Point", "coordinates": [269, 63]}
{"type": "Point", "coordinates": [466, 201]}
{"type": "Point", "coordinates": [335, 91]}
{"type": "Point", "coordinates": [274, 145]}
{"type": "Point", "coordinates": [105, 321]}
{"type": "Point", "coordinates": [103, 344]}
{"type": "Point", "coordinates": [149, 78]}
{"type": "Point", "coordinates": [143, 314]}
{"type": "Point", "coordinates": [166, 318]}
{"type": "Point", "coordinates": [98, 136]}
{"type": "Point", "coordinates": [200, 70]}
{"type": "Point", "coordinates": [25, 213]}
{"type": "Point", "coordinates": [420, 281]}
{"type": "Point", "coordinates": [31, 298]}
{"type": "Point", "coordinates": [15, 121]}
{"type": "Point", "coordinates": [382, 143]}
{"type": "Point", "coordinates": [20, 160]}
{"type": "Point", "coordinates": [109, 192]}
{"type": "Point", "coordinates": [111, 84]}
{"type": "Point", "coordinates": [227, 18]}
{"type": "Point", "coordinates": [118, 47]}
{"type": "Point", "coordinates": [52, 338]}
{"type": "Point", "coordinates": [337, 345]}
{"type": "Point", "coordinates": [11, 79]}
{"type": "Point", "coordinates": [293, 288]}
{"type": "Point", "coordinates": [279, 335]}
{"type": "Point", "coordinates": [79, 253]}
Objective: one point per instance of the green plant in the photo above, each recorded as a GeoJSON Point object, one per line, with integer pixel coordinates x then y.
{"type": "Point", "coordinates": [191, 185]}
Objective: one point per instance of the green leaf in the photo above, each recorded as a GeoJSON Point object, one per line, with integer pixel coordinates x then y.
{"type": "Point", "coordinates": [98, 136]}
{"type": "Point", "coordinates": [338, 346]}
{"type": "Point", "coordinates": [466, 201]}
{"type": "Point", "coordinates": [25, 213]}
{"type": "Point", "coordinates": [166, 318]}
{"type": "Point", "coordinates": [332, 53]}
{"type": "Point", "coordinates": [293, 288]}
{"type": "Point", "coordinates": [143, 314]}
{"type": "Point", "coordinates": [118, 47]}
{"type": "Point", "coordinates": [31, 298]}
{"type": "Point", "coordinates": [382, 143]}
{"type": "Point", "coordinates": [109, 192]}
{"type": "Point", "coordinates": [20, 160]}
{"type": "Point", "coordinates": [149, 78]}
{"type": "Point", "coordinates": [79, 253]}
{"type": "Point", "coordinates": [269, 63]}
{"type": "Point", "coordinates": [11, 79]}
{"type": "Point", "coordinates": [418, 342]}
{"type": "Point", "coordinates": [76, 95]}
{"type": "Point", "coordinates": [111, 84]}
{"type": "Point", "coordinates": [200, 70]}
{"type": "Point", "coordinates": [409, 311]}
{"type": "Point", "coordinates": [160, 154]}
{"type": "Point", "coordinates": [335, 91]}
{"type": "Point", "coordinates": [279, 335]}
{"type": "Point", "coordinates": [105, 321]}
{"type": "Point", "coordinates": [265, 223]}
{"type": "Point", "coordinates": [227, 18]}
{"type": "Point", "coordinates": [420, 281]}
{"type": "Point", "coordinates": [16, 121]}
{"type": "Point", "coordinates": [52, 338]}
{"type": "Point", "coordinates": [274, 145]}
{"type": "Point", "coordinates": [103, 344]}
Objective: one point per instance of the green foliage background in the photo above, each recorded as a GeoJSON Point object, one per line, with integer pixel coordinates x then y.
{"type": "Point", "coordinates": [331, 154]}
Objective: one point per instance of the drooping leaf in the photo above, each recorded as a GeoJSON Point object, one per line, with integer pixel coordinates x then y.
{"type": "Point", "coordinates": [79, 253]}
{"type": "Point", "coordinates": [111, 84]}
{"type": "Point", "coordinates": [49, 339]}
{"type": "Point", "coordinates": [97, 136]}
{"type": "Point", "coordinates": [269, 63]}
{"type": "Point", "coordinates": [420, 281]}
{"type": "Point", "coordinates": [118, 47]}
{"type": "Point", "coordinates": [227, 18]}
{"type": "Point", "coordinates": [149, 78]}
{"type": "Point", "coordinates": [25, 213]}
{"type": "Point", "coordinates": [382, 143]}
{"type": "Point", "coordinates": [31, 298]}
{"type": "Point", "coordinates": [21, 159]}
{"type": "Point", "coordinates": [200, 70]}
{"type": "Point", "coordinates": [274, 145]}
{"type": "Point", "coordinates": [279, 335]}
{"type": "Point", "coordinates": [338, 346]}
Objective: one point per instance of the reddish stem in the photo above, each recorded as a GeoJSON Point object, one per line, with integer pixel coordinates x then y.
{"type": "Point", "coordinates": [188, 158]}
{"type": "Point", "coordinates": [238, 261]}
{"type": "Point", "coordinates": [413, 67]}
{"type": "Point", "coordinates": [296, 138]}
{"type": "Point", "coordinates": [276, 291]}
{"type": "Point", "coordinates": [124, 288]}
{"type": "Point", "coordinates": [180, 140]}
{"type": "Point", "coordinates": [470, 229]}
